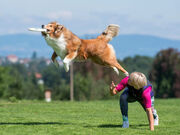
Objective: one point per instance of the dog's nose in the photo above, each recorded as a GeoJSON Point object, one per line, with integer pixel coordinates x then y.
{"type": "Point", "coordinates": [42, 26]}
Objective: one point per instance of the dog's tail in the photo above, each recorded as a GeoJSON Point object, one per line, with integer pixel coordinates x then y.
{"type": "Point", "coordinates": [111, 31]}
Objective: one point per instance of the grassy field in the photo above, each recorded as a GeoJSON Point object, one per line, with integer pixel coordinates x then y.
{"type": "Point", "coordinates": [86, 118]}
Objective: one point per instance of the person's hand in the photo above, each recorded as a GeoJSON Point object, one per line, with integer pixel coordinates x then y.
{"type": "Point", "coordinates": [113, 90]}
{"type": "Point", "coordinates": [112, 86]}
{"type": "Point", "coordinates": [152, 129]}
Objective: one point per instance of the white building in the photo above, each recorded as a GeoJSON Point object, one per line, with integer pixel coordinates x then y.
{"type": "Point", "coordinates": [12, 58]}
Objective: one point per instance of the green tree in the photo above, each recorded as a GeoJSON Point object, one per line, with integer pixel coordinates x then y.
{"type": "Point", "coordinates": [4, 80]}
{"type": "Point", "coordinates": [86, 88]}
{"type": "Point", "coordinates": [92, 81]}
{"type": "Point", "coordinates": [57, 80]}
{"type": "Point", "coordinates": [10, 83]}
{"type": "Point", "coordinates": [138, 63]}
{"type": "Point", "coordinates": [22, 83]}
{"type": "Point", "coordinates": [165, 73]}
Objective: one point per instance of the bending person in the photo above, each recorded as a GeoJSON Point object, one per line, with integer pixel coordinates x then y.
{"type": "Point", "coordinates": [137, 88]}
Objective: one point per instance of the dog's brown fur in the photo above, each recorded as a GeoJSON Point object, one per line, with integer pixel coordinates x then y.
{"type": "Point", "coordinates": [98, 50]}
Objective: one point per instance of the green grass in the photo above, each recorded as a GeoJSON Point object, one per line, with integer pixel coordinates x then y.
{"type": "Point", "coordinates": [86, 118]}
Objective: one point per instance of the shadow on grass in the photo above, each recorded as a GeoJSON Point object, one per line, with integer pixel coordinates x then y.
{"type": "Point", "coordinates": [139, 126]}
{"type": "Point", "coordinates": [109, 126]}
{"type": "Point", "coordinates": [33, 123]}
{"type": "Point", "coordinates": [104, 126]}
{"type": "Point", "coordinates": [119, 126]}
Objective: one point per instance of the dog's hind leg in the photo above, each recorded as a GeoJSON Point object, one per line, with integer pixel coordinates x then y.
{"type": "Point", "coordinates": [116, 70]}
{"type": "Point", "coordinates": [118, 66]}
{"type": "Point", "coordinates": [67, 60]}
{"type": "Point", "coordinates": [112, 61]}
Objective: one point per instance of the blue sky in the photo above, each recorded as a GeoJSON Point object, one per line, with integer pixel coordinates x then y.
{"type": "Point", "coordinates": [155, 17]}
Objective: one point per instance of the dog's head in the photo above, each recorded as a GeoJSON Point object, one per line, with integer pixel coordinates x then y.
{"type": "Point", "coordinates": [53, 29]}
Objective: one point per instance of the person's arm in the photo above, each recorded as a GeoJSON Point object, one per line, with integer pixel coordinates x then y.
{"type": "Point", "coordinates": [123, 83]}
{"type": "Point", "coordinates": [146, 95]}
{"type": "Point", "coordinates": [114, 89]}
{"type": "Point", "coordinates": [150, 118]}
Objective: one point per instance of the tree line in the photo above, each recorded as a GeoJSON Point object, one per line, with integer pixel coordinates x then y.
{"type": "Point", "coordinates": [91, 81]}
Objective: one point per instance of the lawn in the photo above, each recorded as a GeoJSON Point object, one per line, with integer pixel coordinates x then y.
{"type": "Point", "coordinates": [86, 118]}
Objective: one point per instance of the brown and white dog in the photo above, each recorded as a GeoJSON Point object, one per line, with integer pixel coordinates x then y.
{"type": "Point", "coordinates": [70, 47]}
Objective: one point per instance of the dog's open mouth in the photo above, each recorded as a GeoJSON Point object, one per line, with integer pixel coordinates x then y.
{"type": "Point", "coordinates": [44, 33]}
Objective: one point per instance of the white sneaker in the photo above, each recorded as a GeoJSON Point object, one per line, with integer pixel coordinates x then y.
{"type": "Point", "coordinates": [125, 124]}
{"type": "Point", "coordinates": [156, 121]}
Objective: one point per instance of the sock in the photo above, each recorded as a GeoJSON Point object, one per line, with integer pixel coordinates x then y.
{"type": "Point", "coordinates": [125, 118]}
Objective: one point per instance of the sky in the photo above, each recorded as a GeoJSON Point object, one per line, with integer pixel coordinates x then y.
{"type": "Point", "coordinates": [154, 17]}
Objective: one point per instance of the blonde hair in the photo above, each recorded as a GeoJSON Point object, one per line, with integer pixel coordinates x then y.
{"type": "Point", "coordinates": [137, 80]}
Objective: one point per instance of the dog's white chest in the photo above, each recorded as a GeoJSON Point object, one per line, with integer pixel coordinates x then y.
{"type": "Point", "coordinates": [58, 45]}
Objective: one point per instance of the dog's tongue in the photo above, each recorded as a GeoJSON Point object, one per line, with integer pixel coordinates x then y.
{"type": "Point", "coordinates": [37, 29]}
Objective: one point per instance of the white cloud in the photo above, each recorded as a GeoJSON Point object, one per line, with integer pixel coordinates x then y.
{"type": "Point", "coordinates": [66, 15]}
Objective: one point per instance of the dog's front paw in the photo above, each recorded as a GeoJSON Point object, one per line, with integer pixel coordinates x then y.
{"type": "Point", "coordinates": [66, 67]}
{"type": "Point", "coordinates": [66, 62]}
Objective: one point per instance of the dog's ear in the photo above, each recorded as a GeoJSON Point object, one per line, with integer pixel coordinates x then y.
{"type": "Point", "coordinates": [59, 28]}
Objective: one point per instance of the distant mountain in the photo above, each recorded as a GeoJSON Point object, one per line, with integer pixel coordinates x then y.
{"type": "Point", "coordinates": [23, 45]}
{"type": "Point", "coordinates": [130, 45]}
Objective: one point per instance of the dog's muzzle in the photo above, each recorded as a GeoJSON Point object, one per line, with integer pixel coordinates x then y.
{"type": "Point", "coordinates": [44, 33]}
{"type": "Point", "coordinates": [43, 27]}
